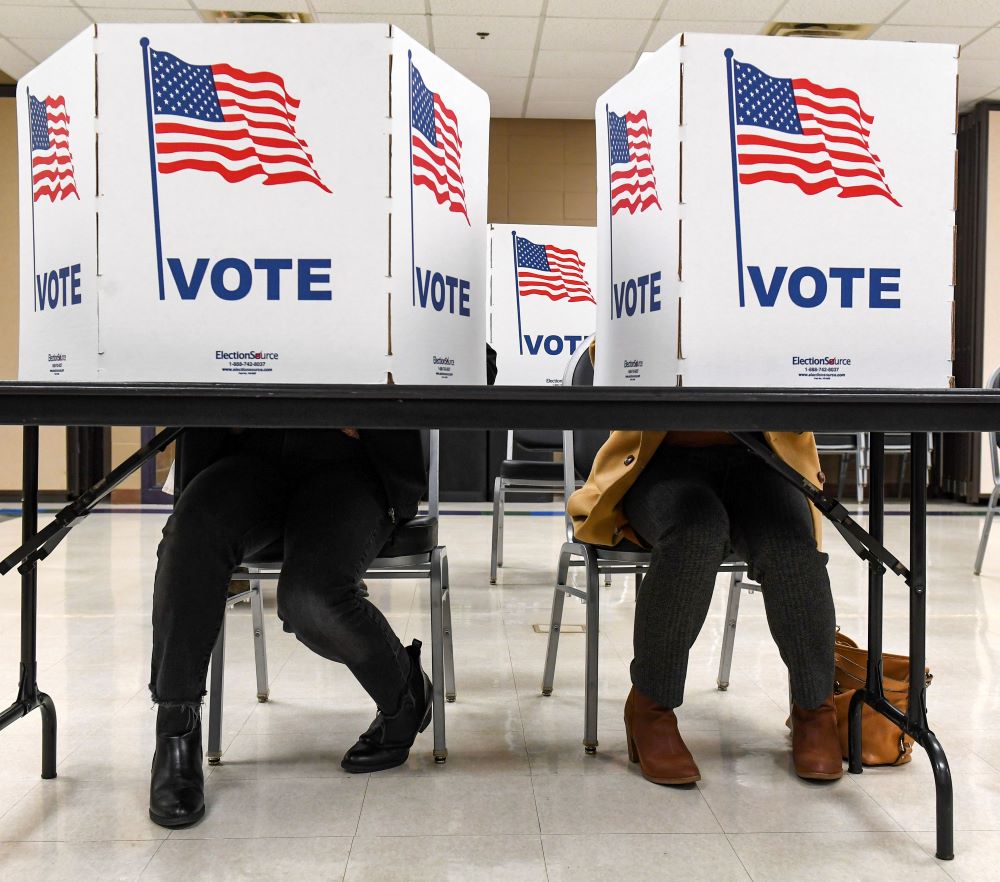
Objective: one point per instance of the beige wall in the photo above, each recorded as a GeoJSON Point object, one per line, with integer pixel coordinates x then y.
{"type": "Point", "coordinates": [52, 447]}
{"type": "Point", "coordinates": [542, 171]}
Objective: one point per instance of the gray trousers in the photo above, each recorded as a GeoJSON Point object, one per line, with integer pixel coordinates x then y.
{"type": "Point", "coordinates": [694, 506]}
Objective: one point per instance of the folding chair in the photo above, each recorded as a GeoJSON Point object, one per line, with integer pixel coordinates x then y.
{"type": "Point", "coordinates": [523, 476]}
{"type": "Point", "coordinates": [624, 558]}
{"type": "Point", "coordinates": [992, 508]}
{"type": "Point", "coordinates": [847, 444]}
{"type": "Point", "coordinates": [412, 552]}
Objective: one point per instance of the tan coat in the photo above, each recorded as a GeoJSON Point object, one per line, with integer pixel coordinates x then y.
{"type": "Point", "coordinates": [596, 508]}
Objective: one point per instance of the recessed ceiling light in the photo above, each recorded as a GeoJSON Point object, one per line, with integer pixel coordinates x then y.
{"type": "Point", "coordinates": [229, 16]}
{"type": "Point", "coordinates": [818, 29]}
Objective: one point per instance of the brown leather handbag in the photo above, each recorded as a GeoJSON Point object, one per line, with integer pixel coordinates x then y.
{"type": "Point", "coordinates": [882, 742]}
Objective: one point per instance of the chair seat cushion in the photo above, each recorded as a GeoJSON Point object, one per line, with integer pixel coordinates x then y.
{"type": "Point", "coordinates": [417, 536]}
{"type": "Point", "coordinates": [531, 470]}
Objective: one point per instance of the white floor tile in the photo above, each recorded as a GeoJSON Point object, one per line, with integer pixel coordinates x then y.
{"type": "Point", "coordinates": [263, 859]}
{"type": "Point", "coordinates": [279, 807]}
{"type": "Point", "coordinates": [79, 861]}
{"type": "Point", "coordinates": [517, 858]}
{"type": "Point", "coordinates": [864, 857]}
{"type": "Point", "coordinates": [624, 803]}
{"type": "Point", "coordinates": [652, 857]}
{"type": "Point", "coordinates": [81, 811]}
{"type": "Point", "coordinates": [443, 804]}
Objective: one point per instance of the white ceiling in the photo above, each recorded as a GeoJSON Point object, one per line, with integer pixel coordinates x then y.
{"type": "Point", "coordinates": [544, 58]}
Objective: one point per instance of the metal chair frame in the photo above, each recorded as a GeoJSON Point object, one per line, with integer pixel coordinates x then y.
{"type": "Point", "coordinates": [992, 507]}
{"type": "Point", "coordinates": [902, 449]}
{"type": "Point", "coordinates": [860, 452]}
{"type": "Point", "coordinates": [600, 560]}
{"type": "Point", "coordinates": [503, 487]}
{"type": "Point", "coordinates": [432, 566]}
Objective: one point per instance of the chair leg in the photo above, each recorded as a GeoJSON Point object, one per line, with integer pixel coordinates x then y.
{"type": "Point", "coordinates": [593, 629]}
{"type": "Point", "coordinates": [214, 752]}
{"type": "Point", "coordinates": [449, 645]}
{"type": "Point", "coordinates": [555, 622]}
{"type": "Point", "coordinates": [729, 631]}
{"type": "Point", "coordinates": [496, 550]}
{"type": "Point", "coordinates": [984, 539]}
{"type": "Point", "coordinates": [437, 653]}
{"type": "Point", "coordinates": [859, 478]}
{"type": "Point", "coordinates": [259, 640]}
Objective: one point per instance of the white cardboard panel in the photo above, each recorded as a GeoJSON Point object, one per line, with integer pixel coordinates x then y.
{"type": "Point", "coordinates": [637, 234]}
{"type": "Point", "coordinates": [287, 274]}
{"type": "Point", "coordinates": [440, 295]}
{"type": "Point", "coordinates": [533, 332]}
{"type": "Point", "coordinates": [851, 337]}
{"type": "Point", "coordinates": [204, 218]}
{"type": "Point", "coordinates": [909, 90]}
{"type": "Point", "coordinates": [58, 268]}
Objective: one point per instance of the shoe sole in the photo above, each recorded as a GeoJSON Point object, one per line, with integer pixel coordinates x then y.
{"type": "Point", "coordinates": [358, 770]}
{"type": "Point", "coordinates": [672, 781]}
{"type": "Point", "coordinates": [820, 776]}
{"type": "Point", "coordinates": [188, 821]}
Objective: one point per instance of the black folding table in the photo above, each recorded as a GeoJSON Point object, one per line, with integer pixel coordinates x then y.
{"type": "Point", "coordinates": [741, 411]}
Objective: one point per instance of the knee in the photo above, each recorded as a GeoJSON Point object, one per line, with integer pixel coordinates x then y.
{"type": "Point", "coordinates": [697, 521]}
{"type": "Point", "coordinates": [790, 563]}
{"type": "Point", "coordinates": [312, 611]}
{"type": "Point", "coordinates": [191, 533]}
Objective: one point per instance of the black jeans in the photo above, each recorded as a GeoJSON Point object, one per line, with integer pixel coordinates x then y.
{"type": "Point", "coordinates": [316, 493]}
{"type": "Point", "coordinates": [693, 506]}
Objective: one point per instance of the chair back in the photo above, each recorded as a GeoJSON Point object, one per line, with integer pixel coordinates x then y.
{"type": "Point", "coordinates": [994, 383]}
{"type": "Point", "coordinates": [839, 441]}
{"type": "Point", "coordinates": [431, 439]}
{"type": "Point", "coordinates": [580, 446]}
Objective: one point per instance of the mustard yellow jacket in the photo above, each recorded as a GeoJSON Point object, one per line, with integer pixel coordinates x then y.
{"type": "Point", "coordinates": [596, 508]}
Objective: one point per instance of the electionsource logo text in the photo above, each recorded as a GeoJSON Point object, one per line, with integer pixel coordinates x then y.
{"type": "Point", "coordinates": [255, 356]}
{"type": "Point", "coordinates": [823, 360]}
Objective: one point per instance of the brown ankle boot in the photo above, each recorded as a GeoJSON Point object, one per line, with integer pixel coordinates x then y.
{"type": "Point", "coordinates": [655, 743]}
{"type": "Point", "coordinates": [815, 742]}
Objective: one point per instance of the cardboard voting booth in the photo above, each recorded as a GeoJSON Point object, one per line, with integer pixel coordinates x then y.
{"type": "Point", "coordinates": [542, 305]}
{"type": "Point", "coordinates": [263, 204]}
{"type": "Point", "coordinates": [778, 212]}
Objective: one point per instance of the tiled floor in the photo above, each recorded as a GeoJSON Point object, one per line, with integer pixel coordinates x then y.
{"type": "Point", "coordinates": [517, 799]}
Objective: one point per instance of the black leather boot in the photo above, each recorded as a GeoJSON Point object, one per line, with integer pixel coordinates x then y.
{"type": "Point", "coordinates": [177, 783]}
{"type": "Point", "coordinates": [388, 740]}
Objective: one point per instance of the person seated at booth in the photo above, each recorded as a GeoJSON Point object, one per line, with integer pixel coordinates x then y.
{"type": "Point", "coordinates": [693, 498]}
{"type": "Point", "coordinates": [332, 498]}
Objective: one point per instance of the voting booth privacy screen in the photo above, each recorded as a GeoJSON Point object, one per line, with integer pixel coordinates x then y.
{"type": "Point", "coordinates": [778, 212]}
{"type": "Point", "coordinates": [264, 204]}
{"type": "Point", "coordinates": [542, 304]}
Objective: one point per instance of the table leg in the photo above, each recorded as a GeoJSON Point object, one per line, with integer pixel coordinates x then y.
{"type": "Point", "coordinates": [916, 713]}
{"type": "Point", "coordinates": [874, 689]}
{"type": "Point", "coordinates": [28, 695]}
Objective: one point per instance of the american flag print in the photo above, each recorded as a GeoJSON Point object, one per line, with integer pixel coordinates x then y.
{"type": "Point", "coordinates": [793, 131]}
{"type": "Point", "coordinates": [234, 123]}
{"type": "Point", "coordinates": [556, 273]}
{"type": "Point", "coordinates": [437, 146]}
{"type": "Point", "coordinates": [52, 172]}
{"type": "Point", "coordinates": [633, 180]}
